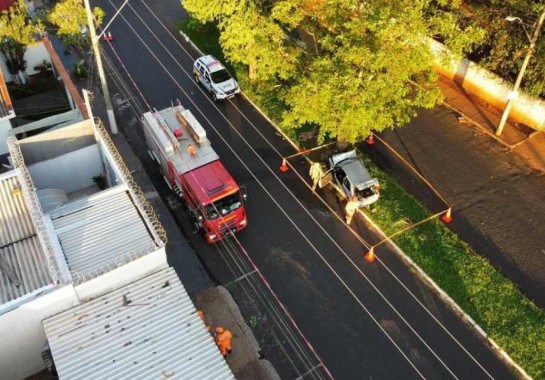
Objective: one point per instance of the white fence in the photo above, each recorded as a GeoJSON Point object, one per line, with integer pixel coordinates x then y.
{"type": "Point", "coordinates": [526, 109]}
{"type": "Point", "coordinates": [34, 55]}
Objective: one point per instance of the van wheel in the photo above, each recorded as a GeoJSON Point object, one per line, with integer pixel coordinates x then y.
{"type": "Point", "coordinates": [215, 97]}
{"type": "Point", "coordinates": [197, 81]}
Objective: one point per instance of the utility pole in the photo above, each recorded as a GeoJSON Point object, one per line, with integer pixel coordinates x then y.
{"type": "Point", "coordinates": [96, 49]}
{"type": "Point", "coordinates": [513, 94]}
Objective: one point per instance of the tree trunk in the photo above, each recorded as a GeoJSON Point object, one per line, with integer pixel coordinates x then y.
{"type": "Point", "coordinates": [342, 143]}
{"type": "Point", "coordinates": [252, 70]}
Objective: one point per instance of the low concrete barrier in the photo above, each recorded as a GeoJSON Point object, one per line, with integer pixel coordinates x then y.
{"type": "Point", "coordinates": [527, 110]}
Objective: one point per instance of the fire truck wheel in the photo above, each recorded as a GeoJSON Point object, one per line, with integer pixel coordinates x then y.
{"type": "Point", "coordinates": [198, 226]}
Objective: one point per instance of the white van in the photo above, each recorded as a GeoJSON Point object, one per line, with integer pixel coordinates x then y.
{"type": "Point", "coordinates": [211, 73]}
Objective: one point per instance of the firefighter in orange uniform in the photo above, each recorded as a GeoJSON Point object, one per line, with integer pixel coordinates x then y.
{"type": "Point", "coordinates": [223, 340]}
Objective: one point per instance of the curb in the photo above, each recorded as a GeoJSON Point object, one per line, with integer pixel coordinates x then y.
{"type": "Point", "coordinates": [478, 125]}
{"type": "Point", "coordinates": [443, 295]}
{"type": "Point", "coordinates": [284, 136]}
{"type": "Point", "coordinates": [447, 299]}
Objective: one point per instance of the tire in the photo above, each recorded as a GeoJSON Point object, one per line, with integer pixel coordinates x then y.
{"type": "Point", "coordinates": [198, 226]}
{"type": "Point", "coordinates": [214, 96]}
{"type": "Point", "coordinates": [197, 81]}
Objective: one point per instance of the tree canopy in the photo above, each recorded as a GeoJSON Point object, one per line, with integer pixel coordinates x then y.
{"type": "Point", "coordinates": [17, 30]}
{"type": "Point", "coordinates": [17, 26]}
{"type": "Point", "coordinates": [349, 66]}
{"type": "Point", "coordinates": [506, 43]}
{"type": "Point", "coordinates": [70, 17]}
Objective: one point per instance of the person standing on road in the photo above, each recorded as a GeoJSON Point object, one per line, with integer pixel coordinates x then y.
{"type": "Point", "coordinates": [315, 173]}
{"type": "Point", "coordinates": [351, 208]}
{"type": "Point", "coordinates": [223, 340]}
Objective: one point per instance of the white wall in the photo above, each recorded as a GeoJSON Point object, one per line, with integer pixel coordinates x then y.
{"type": "Point", "coordinates": [5, 127]}
{"type": "Point", "coordinates": [123, 275]}
{"type": "Point", "coordinates": [22, 334]}
{"type": "Point", "coordinates": [34, 55]}
{"type": "Point", "coordinates": [488, 86]}
{"type": "Point", "coordinates": [71, 171]}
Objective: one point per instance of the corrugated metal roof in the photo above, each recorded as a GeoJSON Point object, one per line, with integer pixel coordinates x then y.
{"type": "Point", "coordinates": [146, 330]}
{"type": "Point", "coordinates": [23, 265]}
{"type": "Point", "coordinates": [101, 231]}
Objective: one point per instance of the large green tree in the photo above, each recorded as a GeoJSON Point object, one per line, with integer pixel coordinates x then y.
{"type": "Point", "coordinates": [17, 30]}
{"type": "Point", "coordinates": [374, 68]}
{"type": "Point", "coordinates": [70, 17]}
{"type": "Point", "coordinates": [249, 35]}
{"type": "Point", "coordinates": [506, 43]}
{"type": "Point", "coordinates": [368, 66]}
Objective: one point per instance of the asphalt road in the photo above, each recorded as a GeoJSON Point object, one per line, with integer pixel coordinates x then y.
{"type": "Point", "coordinates": [363, 320]}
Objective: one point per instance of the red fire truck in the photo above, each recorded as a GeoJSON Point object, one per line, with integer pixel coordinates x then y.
{"type": "Point", "coordinates": [193, 170]}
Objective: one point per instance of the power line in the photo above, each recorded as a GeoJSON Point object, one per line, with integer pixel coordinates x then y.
{"type": "Point", "coordinates": [235, 152]}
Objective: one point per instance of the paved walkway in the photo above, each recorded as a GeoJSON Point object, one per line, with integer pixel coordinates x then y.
{"type": "Point", "coordinates": [522, 140]}
{"type": "Point", "coordinates": [494, 185]}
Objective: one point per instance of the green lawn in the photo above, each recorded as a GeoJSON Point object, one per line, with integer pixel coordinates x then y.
{"type": "Point", "coordinates": [495, 303]}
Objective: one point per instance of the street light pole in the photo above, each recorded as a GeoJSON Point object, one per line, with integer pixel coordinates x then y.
{"type": "Point", "coordinates": [94, 44]}
{"type": "Point", "coordinates": [513, 94]}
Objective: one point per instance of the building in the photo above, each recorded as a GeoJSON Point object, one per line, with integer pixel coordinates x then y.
{"type": "Point", "coordinates": [149, 329]}
{"type": "Point", "coordinates": [6, 114]}
{"type": "Point", "coordinates": [73, 227]}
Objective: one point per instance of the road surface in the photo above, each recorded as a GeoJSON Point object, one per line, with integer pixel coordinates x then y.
{"type": "Point", "coordinates": [347, 318]}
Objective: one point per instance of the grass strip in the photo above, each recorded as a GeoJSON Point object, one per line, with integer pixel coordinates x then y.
{"type": "Point", "coordinates": [494, 302]}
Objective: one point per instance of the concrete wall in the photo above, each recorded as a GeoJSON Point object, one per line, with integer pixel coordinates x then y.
{"type": "Point", "coordinates": [5, 128]}
{"type": "Point", "coordinates": [71, 171]}
{"type": "Point", "coordinates": [488, 86]}
{"type": "Point", "coordinates": [34, 56]}
{"type": "Point", "coordinates": [123, 275]}
{"type": "Point", "coordinates": [22, 334]}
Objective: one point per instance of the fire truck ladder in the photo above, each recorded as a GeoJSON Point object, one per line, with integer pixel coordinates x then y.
{"type": "Point", "coordinates": [166, 129]}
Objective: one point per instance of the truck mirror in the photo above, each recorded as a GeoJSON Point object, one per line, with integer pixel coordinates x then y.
{"type": "Point", "coordinates": [244, 192]}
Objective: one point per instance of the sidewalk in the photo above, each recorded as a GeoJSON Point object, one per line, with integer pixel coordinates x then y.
{"type": "Point", "coordinates": [520, 139]}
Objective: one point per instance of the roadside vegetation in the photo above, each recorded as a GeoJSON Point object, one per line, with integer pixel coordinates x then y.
{"type": "Point", "coordinates": [510, 319]}
{"type": "Point", "coordinates": [21, 26]}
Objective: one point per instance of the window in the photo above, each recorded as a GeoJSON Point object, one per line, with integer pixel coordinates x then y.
{"type": "Point", "coordinates": [346, 183]}
{"type": "Point", "coordinates": [220, 76]}
{"type": "Point", "coordinates": [340, 174]}
{"type": "Point", "coordinates": [223, 206]}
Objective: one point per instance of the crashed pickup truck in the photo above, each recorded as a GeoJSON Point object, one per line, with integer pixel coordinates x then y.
{"type": "Point", "coordinates": [352, 177]}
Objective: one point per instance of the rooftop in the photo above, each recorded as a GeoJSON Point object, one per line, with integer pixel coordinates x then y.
{"type": "Point", "coordinates": [100, 232]}
{"type": "Point", "coordinates": [23, 264]}
{"type": "Point", "coordinates": [146, 330]}
{"type": "Point", "coordinates": [180, 148]}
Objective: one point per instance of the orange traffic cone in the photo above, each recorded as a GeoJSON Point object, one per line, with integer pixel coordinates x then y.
{"type": "Point", "coordinates": [107, 36]}
{"type": "Point", "coordinates": [370, 255]}
{"type": "Point", "coordinates": [370, 140]}
{"type": "Point", "coordinates": [447, 218]}
{"type": "Point", "coordinates": [284, 167]}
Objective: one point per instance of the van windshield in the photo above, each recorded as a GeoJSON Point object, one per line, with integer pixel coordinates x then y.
{"type": "Point", "coordinates": [223, 206]}
{"type": "Point", "coordinates": [220, 76]}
